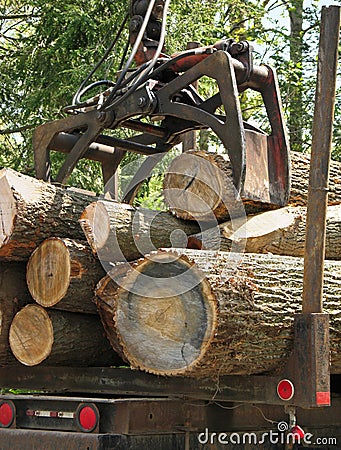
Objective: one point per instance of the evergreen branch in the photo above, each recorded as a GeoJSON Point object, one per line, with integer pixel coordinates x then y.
{"type": "Point", "coordinates": [316, 24]}
{"type": "Point", "coordinates": [16, 130]}
{"type": "Point", "coordinates": [16, 16]}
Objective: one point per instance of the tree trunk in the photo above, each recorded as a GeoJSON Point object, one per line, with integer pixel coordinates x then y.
{"type": "Point", "coordinates": [281, 232]}
{"type": "Point", "coordinates": [63, 273]}
{"type": "Point", "coordinates": [295, 74]}
{"type": "Point", "coordinates": [59, 338]}
{"type": "Point", "coordinates": [31, 211]}
{"type": "Point", "coordinates": [13, 295]}
{"type": "Point", "coordinates": [198, 185]}
{"type": "Point", "coordinates": [205, 314]}
{"type": "Point", "coordinates": [119, 232]}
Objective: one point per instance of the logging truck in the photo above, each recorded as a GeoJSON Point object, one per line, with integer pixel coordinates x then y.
{"type": "Point", "coordinates": [117, 332]}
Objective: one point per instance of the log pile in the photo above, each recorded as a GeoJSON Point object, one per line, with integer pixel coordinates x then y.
{"type": "Point", "coordinates": [50, 268]}
{"type": "Point", "coordinates": [91, 282]}
{"type": "Point", "coordinates": [208, 311]}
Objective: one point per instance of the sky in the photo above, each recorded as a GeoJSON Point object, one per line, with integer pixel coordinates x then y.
{"type": "Point", "coordinates": [328, 3]}
{"type": "Point", "coordinates": [277, 12]}
{"type": "Point", "coordinates": [280, 14]}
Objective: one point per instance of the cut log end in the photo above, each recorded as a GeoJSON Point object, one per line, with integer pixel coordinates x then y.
{"type": "Point", "coordinates": [31, 335]}
{"type": "Point", "coordinates": [199, 186]}
{"type": "Point", "coordinates": [7, 210]}
{"type": "Point", "coordinates": [165, 314]}
{"type": "Point", "coordinates": [96, 225]}
{"type": "Point", "coordinates": [48, 272]}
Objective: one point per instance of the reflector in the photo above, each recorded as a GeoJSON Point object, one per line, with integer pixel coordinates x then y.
{"type": "Point", "coordinates": [297, 432]}
{"type": "Point", "coordinates": [7, 413]}
{"type": "Point", "coordinates": [285, 390]}
{"type": "Point", "coordinates": [87, 417]}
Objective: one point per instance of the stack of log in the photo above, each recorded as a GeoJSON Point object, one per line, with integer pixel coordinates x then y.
{"type": "Point", "coordinates": [49, 272]}
{"type": "Point", "coordinates": [91, 282]}
{"type": "Point", "coordinates": [207, 311]}
{"type": "Point", "coordinates": [31, 212]}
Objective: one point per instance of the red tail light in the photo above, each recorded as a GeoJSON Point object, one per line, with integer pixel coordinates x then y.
{"type": "Point", "coordinates": [7, 414]}
{"type": "Point", "coordinates": [87, 417]}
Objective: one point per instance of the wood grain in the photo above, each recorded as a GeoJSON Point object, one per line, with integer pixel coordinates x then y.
{"type": "Point", "coordinates": [63, 273]}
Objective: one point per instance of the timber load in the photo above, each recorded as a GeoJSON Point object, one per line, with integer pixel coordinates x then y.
{"type": "Point", "coordinates": [225, 305]}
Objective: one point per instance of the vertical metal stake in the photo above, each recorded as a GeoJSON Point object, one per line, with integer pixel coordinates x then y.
{"type": "Point", "coordinates": [320, 159]}
{"type": "Point", "coordinates": [312, 326]}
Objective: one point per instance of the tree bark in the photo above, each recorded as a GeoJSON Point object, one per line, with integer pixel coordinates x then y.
{"type": "Point", "coordinates": [63, 273]}
{"type": "Point", "coordinates": [13, 295]}
{"type": "Point", "coordinates": [281, 232]}
{"type": "Point", "coordinates": [300, 164]}
{"type": "Point", "coordinates": [59, 338]}
{"type": "Point", "coordinates": [205, 314]}
{"type": "Point", "coordinates": [198, 185]}
{"type": "Point", "coordinates": [119, 232]}
{"type": "Point", "coordinates": [105, 300]}
{"type": "Point", "coordinates": [295, 74]}
{"type": "Point", "coordinates": [32, 210]}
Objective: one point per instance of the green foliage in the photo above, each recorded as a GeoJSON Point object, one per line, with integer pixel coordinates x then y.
{"type": "Point", "coordinates": [150, 194]}
{"type": "Point", "coordinates": [48, 47]}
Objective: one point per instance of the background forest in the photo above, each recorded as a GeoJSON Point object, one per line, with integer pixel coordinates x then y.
{"type": "Point", "coordinates": [48, 47]}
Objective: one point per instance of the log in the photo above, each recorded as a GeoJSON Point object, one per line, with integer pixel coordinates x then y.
{"type": "Point", "coordinates": [198, 186]}
{"type": "Point", "coordinates": [300, 164]}
{"type": "Point", "coordinates": [55, 337]}
{"type": "Point", "coordinates": [63, 273]}
{"type": "Point", "coordinates": [32, 210]}
{"type": "Point", "coordinates": [281, 232]}
{"type": "Point", "coordinates": [13, 295]}
{"type": "Point", "coordinates": [119, 232]}
{"type": "Point", "coordinates": [204, 314]}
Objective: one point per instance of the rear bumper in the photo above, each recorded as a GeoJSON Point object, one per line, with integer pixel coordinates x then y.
{"type": "Point", "coordinates": [19, 439]}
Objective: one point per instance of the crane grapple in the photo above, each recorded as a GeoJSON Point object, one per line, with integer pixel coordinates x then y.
{"type": "Point", "coordinates": [157, 99]}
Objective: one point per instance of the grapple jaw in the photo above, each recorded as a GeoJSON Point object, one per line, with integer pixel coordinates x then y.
{"type": "Point", "coordinates": [267, 176]}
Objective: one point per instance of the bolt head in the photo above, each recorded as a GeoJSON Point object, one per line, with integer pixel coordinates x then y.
{"type": "Point", "coordinates": [142, 101]}
{"type": "Point", "coordinates": [100, 116]}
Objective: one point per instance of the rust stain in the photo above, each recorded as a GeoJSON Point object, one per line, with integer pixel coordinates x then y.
{"type": "Point", "coordinates": [76, 269]}
{"type": "Point", "coordinates": [16, 249]}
